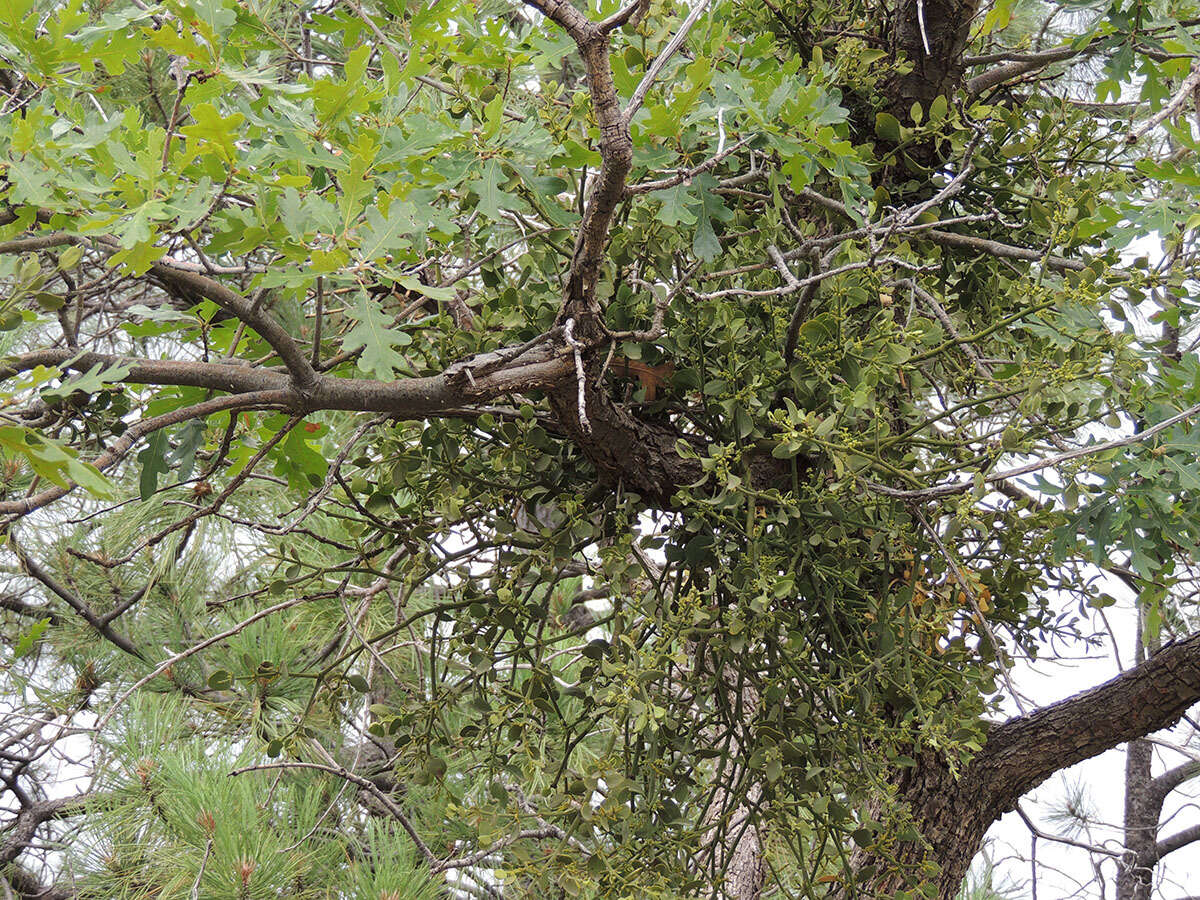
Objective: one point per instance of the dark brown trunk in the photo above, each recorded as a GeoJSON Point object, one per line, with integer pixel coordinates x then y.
{"type": "Point", "coordinates": [931, 35]}
{"type": "Point", "coordinates": [952, 817]}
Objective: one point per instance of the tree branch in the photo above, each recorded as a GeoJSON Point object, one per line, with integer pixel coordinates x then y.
{"type": "Point", "coordinates": [16, 605]}
{"type": "Point", "coordinates": [30, 819]}
{"type": "Point", "coordinates": [1022, 64]}
{"type": "Point", "coordinates": [82, 609]}
{"type": "Point", "coordinates": [193, 284]}
{"type": "Point", "coordinates": [120, 447]}
{"type": "Point", "coordinates": [1177, 841]}
{"type": "Point", "coordinates": [1173, 778]}
{"type": "Point", "coordinates": [29, 887]}
{"type": "Point", "coordinates": [1022, 752]}
{"type": "Point", "coordinates": [616, 157]}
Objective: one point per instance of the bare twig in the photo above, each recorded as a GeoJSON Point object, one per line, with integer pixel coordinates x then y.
{"type": "Point", "coordinates": [660, 61]}
{"type": "Point", "coordinates": [580, 374]}
{"type": "Point", "coordinates": [961, 487]}
{"type": "Point", "coordinates": [1181, 96]}
{"type": "Point", "coordinates": [366, 784]}
{"type": "Point", "coordinates": [192, 651]}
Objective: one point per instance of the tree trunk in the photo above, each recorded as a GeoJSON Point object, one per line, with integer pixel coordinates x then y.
{"type": "Point", "coordinates": [1142, 808]}
{"type": "Point", "coordinates": [1135, 878]}
{"type": "Point", "coordinates": [931, 35]}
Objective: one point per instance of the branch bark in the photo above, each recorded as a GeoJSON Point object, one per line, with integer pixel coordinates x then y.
{"type": "Point", "coordinates": [616, 157]}
{"type": "Point", "coordinates": [931, 35]}
{"type": "Point", "coordinates": [953, 813]}
{"type": "Point", "coordinates": [1178, 841]}
{"type": "Point", "coordinates": [1022, 752]}
{"type": "Point", "coordinates": [29, 820]}
{"type": "Point", "coordinates": [193, 284]}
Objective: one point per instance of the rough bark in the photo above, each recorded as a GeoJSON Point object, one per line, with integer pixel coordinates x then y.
{"type": "Point", "coordinates": [953, 814]}
{"type": "Point", "coordinates": [1135, 876]}
{"type": "Point", "coordinates": [25, 885]}
{"type": "Point", "coordinates": [21, 831]}
{"type": "Point", "coordinates": [931, 35]}
{"type": "Point", "coordinates": [1142, 807]}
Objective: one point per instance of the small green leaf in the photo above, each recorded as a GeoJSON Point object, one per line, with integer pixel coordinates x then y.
{"type": "Point", "coordinates": [887, 127]}
{"type": "Point", "coordinates": [26, 642]}
{"type": "Point", "coordinates": [937, 109]}
{"type": "Point", "coordinates": [675, 202]}
{"type": "Point", "coordinates": [70, 257]}
{"type": "Point", "coordinates": [48, 301]}
{"type": "Point", "coordinates": [487, 186]}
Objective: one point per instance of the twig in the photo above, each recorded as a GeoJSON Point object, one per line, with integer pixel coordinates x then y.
{"type": "Point", "coordinates": [316, 344]}
{"type": "Point", "coordinates": [921, 23]}
{"type": "Point", "coordinates": [192, 651]}
{"type": "Point", "coordinates": [647, 186]}
{"type": "Point", "coordinates": [1037, 832]}
{"type": "Point", "coordinates": [364, 783]}
{"type": "Point", "coordinates": [800, 311]}
{"type": "Point", "coordinates": [195, 895]}
{"type": "Point", "coordinates": [472, 858]}
{"type": "Point", "coordinates": [119, 448]}
{"type": "Point", "coordinates": [777, 258]}
{"type": "Point", "coordinates": [182, 79]}
{"type": "Point", "coordinates": [661, 304]}
{"type": "Point", "coordinates": [1185, 90]}
{"type": "Point", "coordinates": [424, 79]}
{"type": "Point", "coordinates": [814, 278]}
{"type": "Point", "coordinates": [961, 487]}
{"type": "Point", "coordinates": [580, 376]}
{"type": "Point", "coordinates": [660, 61]}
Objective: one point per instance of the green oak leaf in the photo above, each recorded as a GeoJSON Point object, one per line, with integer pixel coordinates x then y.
{"type": "Point", "coordinates": [373, 335]}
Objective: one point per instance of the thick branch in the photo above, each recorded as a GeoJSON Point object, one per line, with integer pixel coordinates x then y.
{"type": "Point", "coordinates": [30, 819]}
{"type": "Point", "coordinates": [1015, 68]}
{"type": "Point", "coordinates": [539, 364]}
{"type": "Point", "coordinates": [195, 285]}
{"type": "Point", "coordinates": [1173, 778]}
{"type": "Point", "coordinates": [616, 156]}
{"type": "Point", "coordinates": [1024, 751]}
{"type": "Point", "coordinates": [1178, 841]}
